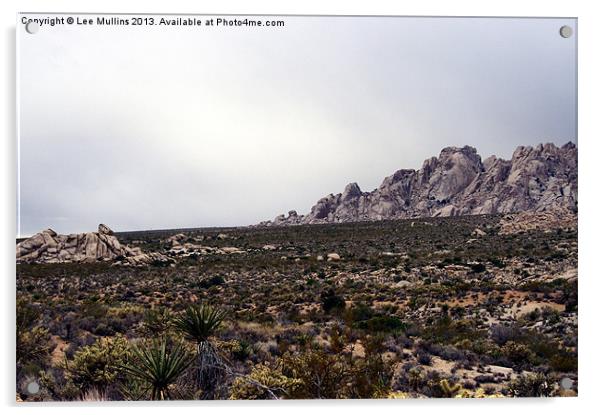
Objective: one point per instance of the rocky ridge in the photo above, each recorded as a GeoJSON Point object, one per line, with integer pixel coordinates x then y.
{"type": "Point", "coordinates": [456, 183]}
{"type": "Point", "coordinates": [49, 247]}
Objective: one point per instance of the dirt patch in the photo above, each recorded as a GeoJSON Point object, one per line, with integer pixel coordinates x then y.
{"type": "Point", "coordinates": [58, 354]}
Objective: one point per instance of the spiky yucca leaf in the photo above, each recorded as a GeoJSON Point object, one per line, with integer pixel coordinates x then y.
{"type": "Point", "coordinates": [159, 365]}
{"type": "Point", "coordinates": [200, 322]}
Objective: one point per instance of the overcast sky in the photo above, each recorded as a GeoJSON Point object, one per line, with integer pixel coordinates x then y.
{"type": "Point", "coordinates": [172, 127]}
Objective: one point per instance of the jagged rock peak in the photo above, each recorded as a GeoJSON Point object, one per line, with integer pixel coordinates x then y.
{"type": "Point", "coordinates": [49, 232]}
{"type": "Point", "coordinates": [104, 229]}
{"type": "Point", "coordinates": [458, 182]}
{"type": "Point", "coordinates": [352, 190]}
{"type": "Point", "coordinates": [452, 149]}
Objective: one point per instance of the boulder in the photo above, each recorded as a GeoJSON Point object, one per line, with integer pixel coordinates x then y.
{"type": "Point", "coordinates": [269, 248]}
{"type": "Point", "coordinates": [104, 230]}
{"type": "Point", "coordinates": [176, 239]}
{"type": "Point", "coordinates": [333, 256]}
{"type": "Point", "coordinates": [479, 232]}
{"type": "Point", "coordinates": [231, 250]}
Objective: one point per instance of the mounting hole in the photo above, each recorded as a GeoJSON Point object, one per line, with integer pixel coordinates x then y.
{"type": "Point", "coordinates": [566, 31]}
{"type": "Point", "coordinates": [566, 383]}
{"type": "Point", "coordinates": [32, 27]}
{"type": "Point", "coordinates": [33, 388]}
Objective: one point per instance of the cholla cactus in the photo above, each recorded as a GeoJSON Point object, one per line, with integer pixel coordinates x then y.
{"type": "Point", "coordinates": [464, 394]}
{"type": "Point", "coordinates": [479, 393]}
{"type": "Point", "coordinates": [263, 383]}
{"type": "Point", "coordinates": [415, 378]}
{"type": "Point", "coordinates": [97, 366]}
{"type": "Point", "coordinates": [398, 395]}
{"type": "Point", "coordinates": [449, 389]}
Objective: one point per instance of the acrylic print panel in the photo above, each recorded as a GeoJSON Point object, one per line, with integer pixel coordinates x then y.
{"type": "Point", "coordinates": [426, 168]}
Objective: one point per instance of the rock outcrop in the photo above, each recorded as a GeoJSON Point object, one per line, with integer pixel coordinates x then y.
{"type": "Point", "coordinates": [182, 245]}
{"type": "Point", "coordinates": [458, 182]}
{"type": "Point", "coordinates": [49, 247]}
{"type": "Point", "coordinates": [547, 221]}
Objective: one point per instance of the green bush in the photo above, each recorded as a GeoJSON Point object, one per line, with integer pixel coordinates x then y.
{"type": "Point", "coordinates": [331, 301]}
{"type": "Point", "coordinates": [212, 281]}
{"type": "Point", "coordinates": [517, 353]}
{"type": "Point", "coordinates": [382, 324]}
{"type": "Point", "coordinates": [532, 385]}
{"type": "Point", "coordinates": [157, 322]}
{"type": "Point", "coordinates": [98, 365]}
{"type": "Point", "coordinates": [564, 362]}
{"type": "Point", "coordinates": [320, 375]}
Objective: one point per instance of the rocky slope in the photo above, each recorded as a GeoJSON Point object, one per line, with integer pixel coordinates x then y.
{"type": "Point", "coordinates": [49, 247]}
{"type": "Point", "coordinates": [547, 221]}
{"type": "Point", "coordinates": [458, 182]}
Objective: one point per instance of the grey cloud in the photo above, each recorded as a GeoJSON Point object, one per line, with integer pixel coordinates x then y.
{"type": "Point", "coordinates": [179, 128]}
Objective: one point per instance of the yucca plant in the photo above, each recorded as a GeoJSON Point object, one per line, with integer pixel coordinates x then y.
{"type": "Point", "coordinates": [158, 365]}
{"type": "Point", "coordinates": [198, 324]}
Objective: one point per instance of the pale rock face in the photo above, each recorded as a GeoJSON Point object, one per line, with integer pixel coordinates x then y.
{"type": "Point", "coordinates": [456, 169]}
{"type": "Point", "coordinates": [458, 182]}
{"type": "Point", "coordinates": [333, 256]}
{"type": "Point", "coordinates": [177, 239]}
{"type": "Point", "coordinates": [50, 247]}
{"type": "Point", "coordinates": [104, 229]}
{"type": "Point", "coordinates": [479, 232]}
{"type": "Point", "coordinates": [231, 250]}
{"type": "Point", "coordinates": [352, 192]}
{"type": "Point", "coordinates": [449, 210]}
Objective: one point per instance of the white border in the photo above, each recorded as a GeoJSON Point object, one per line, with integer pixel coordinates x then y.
{"type": "Point", "coordinates": [590, 235]}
